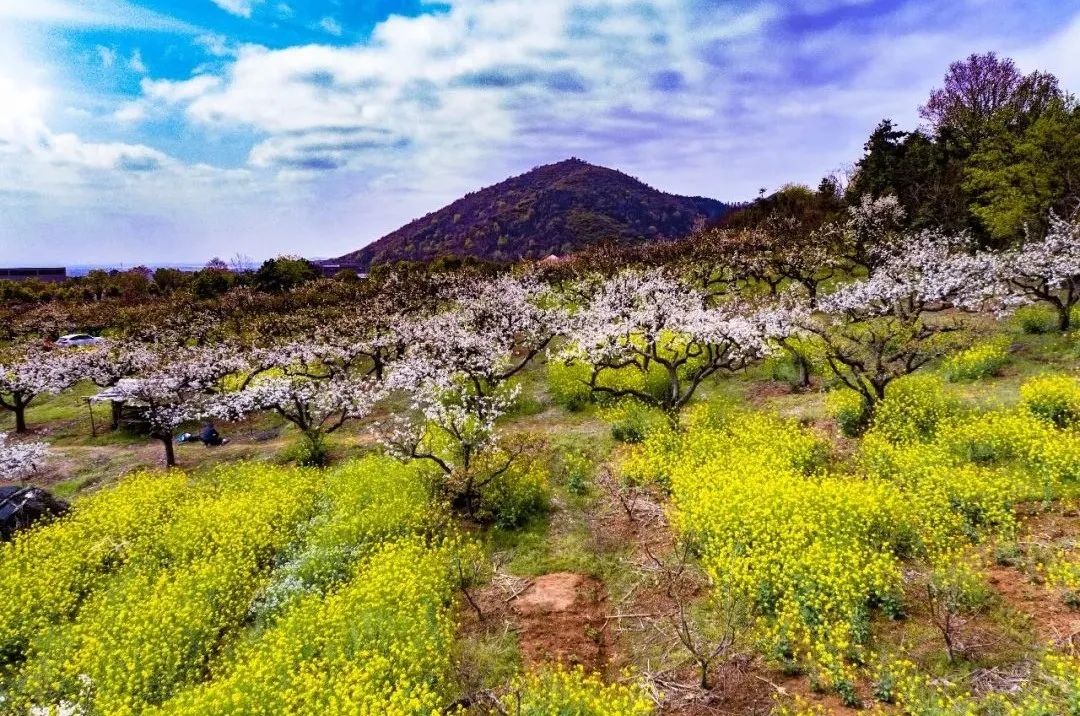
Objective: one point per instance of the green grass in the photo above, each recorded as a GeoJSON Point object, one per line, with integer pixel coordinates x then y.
{"type": "Point", "coordinates": [485, 660]}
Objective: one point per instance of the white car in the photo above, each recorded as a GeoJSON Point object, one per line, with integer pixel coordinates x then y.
{"type": "Point", "coordinates": [78, 339]}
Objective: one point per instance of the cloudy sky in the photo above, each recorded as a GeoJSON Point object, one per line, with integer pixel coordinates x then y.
{"type": "Point", "coordinates": [149, 131]}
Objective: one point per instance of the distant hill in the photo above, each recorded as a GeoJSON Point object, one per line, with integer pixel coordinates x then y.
{"type": "Point", "coordinates": [553, 209]}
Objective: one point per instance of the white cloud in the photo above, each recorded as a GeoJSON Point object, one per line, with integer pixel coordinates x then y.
{"type": "Point", "coordinates": [242, 8]}
{"type": "Point", "coordinates": [331, 26]}
{"type": "Point", "coordinates": [692, 96]}
{"type": "Point", "coordinates": [216, 45]}
{"type": "Point", "coordinates": [107, 55]}
{"type": "Point", "coordinates": [1060, 54]}
{"type": "Point", "coordinates": [172, 92]}
{"type": "Point", "coordinates": [45, 170]}
{"type": "Point", "coordinates": [136, 64]}
{"type": "Point", "coordinates": [452, 88]}
{"type": "Point", "coordinates": [89, 13]}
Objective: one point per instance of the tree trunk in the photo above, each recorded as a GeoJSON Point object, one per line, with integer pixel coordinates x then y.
{"type": "Point", "coordinates": [803, 366]}
{"type": "Point", "coordinates": [170, 453]}
{"type": "Point", "coordinates": [20, 416]}
{"type": "Point", "coordinates": [1064, 319]}
{"type": "Point", "coordinates": [117, 409]}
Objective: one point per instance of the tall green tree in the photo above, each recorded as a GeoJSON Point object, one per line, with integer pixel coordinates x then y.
{"type": "Point", "coordinates": [924, 173]}
{"type": "Point", "coordinates": [284, 274]}
{"type": "Point", "coordinates": [1017, 180]}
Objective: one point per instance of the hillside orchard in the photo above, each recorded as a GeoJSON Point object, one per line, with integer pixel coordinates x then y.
{"type": "Point", "coordinates": [708, 476]}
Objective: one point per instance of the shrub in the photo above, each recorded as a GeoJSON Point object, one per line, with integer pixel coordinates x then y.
{"type": "Point", "coordinates": [153, 627]}
{"type": "Point", "coordinates": [309, 451]}
{"type": "Point", "coordinates": [997, 436]}
{"type": "Point", "coordinates": [800, 360]}
{"type": "Point", "coordinates": [526, 404]}
{"type": "Point", "coordinates": [1036, 319]}
{"type": "Point", "coordinates": [1063, 572]}
{"type": "Point", "coordinates": [370, 501]}
{"type": "Point", "coordinates": [979, 361]}
{"type": "Point", "coordinates": [49, 570]}
{"type": "Point", "coordinates": [810, 552]}
{"type": "Point", "coordinates": [850, 410]}
{"type": "Point", "coordinates": [1054, 398]}
{"type": "Point", "coordinates": [577, 469]}
{"type": "Point", "coordinates": [516, 495]}
{"type": "Point", "coordinates": [631, 420]}
{"type": "Point", "coordinates": [381, 641]}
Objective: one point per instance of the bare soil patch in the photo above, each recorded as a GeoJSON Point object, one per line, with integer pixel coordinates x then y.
{"type": "Point", "coordinates": [560, 618]}
{"type": "Point", "coordinates": [1053, 620]}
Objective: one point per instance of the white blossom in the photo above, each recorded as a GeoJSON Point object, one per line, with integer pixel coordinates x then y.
{"type": "Point", "coordinates": [19, 459]}
{"type": "Point", "coordinates": [105, 365]}
{"type": "Point", "coordinates": [1042, 270]}
{"type": "Point", "coordinates": [873, 330]}
{"type": "Point", "coordinates": [34, 372]}
{"type": "Point", "coordinates": [490, 332]}
{"type": "Point", "coordinates": [312, 404]}
{"type": "Point", "coordinates": [926, 271]}
{"type": "Point", "coordinates": [638, 318]}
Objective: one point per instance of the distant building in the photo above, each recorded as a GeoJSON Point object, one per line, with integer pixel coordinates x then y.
{"type": "Point", "coordinates": [551, 260]}
{"type": "Point", "coordinates": [49, 275]}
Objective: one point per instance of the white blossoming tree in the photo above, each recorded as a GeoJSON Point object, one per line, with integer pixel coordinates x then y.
{"type": "Point", "coordinates": [872, 230]}
{"type": "Point", "coordinates": [106, 365]}
{"type": "Point", "coordinates": [457, 372]}
{"type": "Point", "coordinates": [29, 373]}
{"type": "Point", "coordinates": [877, 329]}
{"type": "Point", "coordinates": [491, 331]}
{"type": "Point", "coordinates": [19, 459]}
{"type": "Point", "coordinates": [648, 322]}
{"type": "Point", "coordinates": [453, 428]}
{"type": "Point", "coordinates": [316, 406]}
{"type": "Point", "coordinates": [1045, 270]}
{"type": "Point", "coordinates": [179, 388]}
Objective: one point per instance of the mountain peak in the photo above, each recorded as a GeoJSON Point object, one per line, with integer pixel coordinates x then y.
{"type": "Point", "coordinates": [550, 209]}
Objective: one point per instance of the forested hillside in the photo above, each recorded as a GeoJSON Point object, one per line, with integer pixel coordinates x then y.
{"type": "Point", "coordinates": [554, 209]}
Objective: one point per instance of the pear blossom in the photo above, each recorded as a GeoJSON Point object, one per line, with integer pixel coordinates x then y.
{"type": "Point", "coordinates": [491, 331]}
{"type": "Point", "coordinates": [30, 373]}
{"type": "Point", "coordinates": [19, 459]}
{"type": "Point", "coordinates": [455, 373]}
{"type": "Point", "coordinates": [178, 389]}
{"type": "Point", "coordinates": [872, 225]}
{"type": "Point", "coordinates": [317, 406]}
{"type": "Point", "coordinates": [927, 271]}
{"type": "Point", "coordinates": [105, 365]}
{"type": "Point", "coordinates": [640, 319]}
{"type": "Point", "coordinates": [1045, 270]}
{"type": "Point", "coordinates": [874, 330]}
{"type": "Point", "coordinates": [454, 428]}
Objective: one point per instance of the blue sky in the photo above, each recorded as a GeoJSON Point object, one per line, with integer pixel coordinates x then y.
{"type": "Point", "coordinates": [148, 131]}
